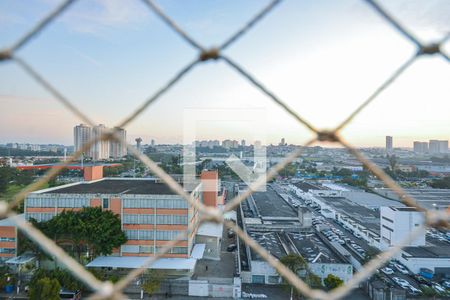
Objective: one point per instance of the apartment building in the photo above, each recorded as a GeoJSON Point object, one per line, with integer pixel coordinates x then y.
{"type": "Point", "coordinates": [81, 136]}
{"type": "Point", "coordinates": [102, 149]}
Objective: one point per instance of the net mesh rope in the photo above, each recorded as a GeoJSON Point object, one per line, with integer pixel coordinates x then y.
{"type": "Point", "coordinates": [108, 290]}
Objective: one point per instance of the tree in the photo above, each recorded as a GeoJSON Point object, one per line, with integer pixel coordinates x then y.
{"type": "Point", "coordinates": [429, 292]}
{"type": "Point", "coordinates": [65, 278]}
{"type": "Point", "coordinates": [91, 229]}
{"type": "Point", "coordinates": [152, 281]}
{"type": "Point", "coordinates": [371, 253]}
{"type": "Point", "coordinates": [332, 281]}
{"type": "Point", "coordinates": [4, 178]}
{"type": "Point", "coordinates": [6, 278]}
{"type": "Point", "coordinates": [296, 263]}
{"type": "Point", "coordinates": [443, 183]}
{"type": "Point", "coordinates": [392, 159]}
{"type": "Point", "coordinates": [45, 288]}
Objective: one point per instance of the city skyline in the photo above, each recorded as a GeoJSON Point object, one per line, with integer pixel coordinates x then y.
{"type": "Point", "coordinates": [317, 74]}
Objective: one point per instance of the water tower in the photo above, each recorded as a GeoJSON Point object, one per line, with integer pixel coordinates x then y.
{"type": "Point", "coordinates": [138, 144]}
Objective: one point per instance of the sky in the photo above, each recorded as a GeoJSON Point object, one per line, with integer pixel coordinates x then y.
{"type": "Point", "coordinates": [323, 58]}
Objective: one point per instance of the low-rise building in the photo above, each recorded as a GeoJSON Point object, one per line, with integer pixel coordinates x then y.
{"type": "Point", "coordinates": [151, 215]}
{"type": "Point", "coordinates": [396, 223]}
{"type": "Point", "coordinates": [435, 258]}
{"type": "Point", "coordinates": [8, 238]}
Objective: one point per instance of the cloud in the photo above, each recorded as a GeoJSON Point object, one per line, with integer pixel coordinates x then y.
{"type": "Point", "coordinates": [103, 14]}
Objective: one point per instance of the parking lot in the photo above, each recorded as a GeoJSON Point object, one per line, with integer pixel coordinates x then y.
{"type": "Point", "coordinates": [359, 247]}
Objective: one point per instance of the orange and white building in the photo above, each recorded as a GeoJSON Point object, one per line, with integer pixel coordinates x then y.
{"type": "Point", "coordinates": [151, 215]}
{"type": "Point", "coordinates": [8, 239]}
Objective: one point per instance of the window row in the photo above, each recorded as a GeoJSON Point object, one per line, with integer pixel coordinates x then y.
{"type": "Point", "coordinates": [138, 219]}
{"type": "Point", "coordinates": [162, 235]}
{"type": "Point", "coordinates": [7, 239]}
{"type": "Point", "coordinates": [62, 202]}
{"type": "Point", "coordinates": [8, 250]}
{"type": "Point", "coordinates": [152, 203]}
{"type": "Point", "coordinates": [151, 249]}
{"type": "Point", "coordinates": [40, 217]}
{"type": "Point", "coordinates": [150, 219]}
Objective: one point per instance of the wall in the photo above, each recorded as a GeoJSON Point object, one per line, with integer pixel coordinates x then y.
{"type": "Point", "coordinates": [93, 173]}
{"type": "Point", "coordinates": [415, 263]}
{"type": "Point", "coordinates": [210, 187]}
{"type": "Point", "coordinates": [8, 232]}
{"type": "Point", "coordinates": [263, 268]}
{"type": "Point", "coordinates": [395, 225]}
{"type": "Point", "coordinates": [343, 271]}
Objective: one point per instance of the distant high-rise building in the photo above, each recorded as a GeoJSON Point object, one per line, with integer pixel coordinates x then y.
{"type": "Point", "coordinates": [152, 143]}
{"type": "Point", "coordinates": [243, 143]}
{"type": "Point", "coordinates": [438, 146]}
{"type": "Point", "coordinates": [389, 143]}
{"type": "Point", "coordinates": [420, 147]}
{"type": "Point", "coordinates": [138, 144]}
{"type": "Point", "coordinates": [443, 146]}
{"type": "Point", "coordinates": [282, 142]}
{"type": "Point", "coordinates": [81, 134]}
{"type": "Point", "coordinates": [434, 146]}
{"type": "Point", "coordinates": [227, 144]}
{"type": "Point", "coordinates": [100, 149]}
{"type": "Point", "coordinates": [118, 149]}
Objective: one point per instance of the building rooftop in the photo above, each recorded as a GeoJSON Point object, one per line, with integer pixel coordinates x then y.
{"type": "Point", "coordinates": [428, 198]}
{"type": "Point", "coordinates": [269, 241]}
{"type": "Point", "coordinates": [133, 262]}
{"type": "Point", "coordinates": [404, 208]}
{"type": "Point", "coordinates": [114, 186]}
{"type": "Point", "coordinates": [270, 204]}
{"type": "Point", "coordinates": [428, 251]}
{"type": "Point", "coordinates": [10, 221]}
{"type": "Point", "coordinates": [369, 200]}
{"type": "Point", "coordinates": [369, 218]}
{"type": "Point", "coordinates": [313, 249]}
{"type": "Point", "coordinates": [306, 186]}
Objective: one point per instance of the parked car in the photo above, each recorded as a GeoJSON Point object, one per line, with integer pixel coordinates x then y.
{"type": "Point", "coordinates": [231, 233]}
{"type": "Point", "coordinates": [387, 271]}
{"type": "Point", "coordinates": [438, 287]}
{"type": "Point", "coordinates": [231, 247]}
{"type": "Point", "coordinates": [401, 282]}
{"type": "Point", "coordinates": [446, 284]}
{"type": "Point", "coordinates": [401, 269]}
{"type": "Point", "coordinates": [414, 290]}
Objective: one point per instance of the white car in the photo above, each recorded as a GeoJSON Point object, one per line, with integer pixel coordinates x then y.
{"type": "Point", "coordinates": [401, 282]}
{"type": "Point", "coordinates": [438, 287]}
{"type": "Point", "coordinates": [414, 290]}
{"type": "Point", "coordinates": [387, 271]}
{"type": "Point", "coordinates": [401, 269]}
